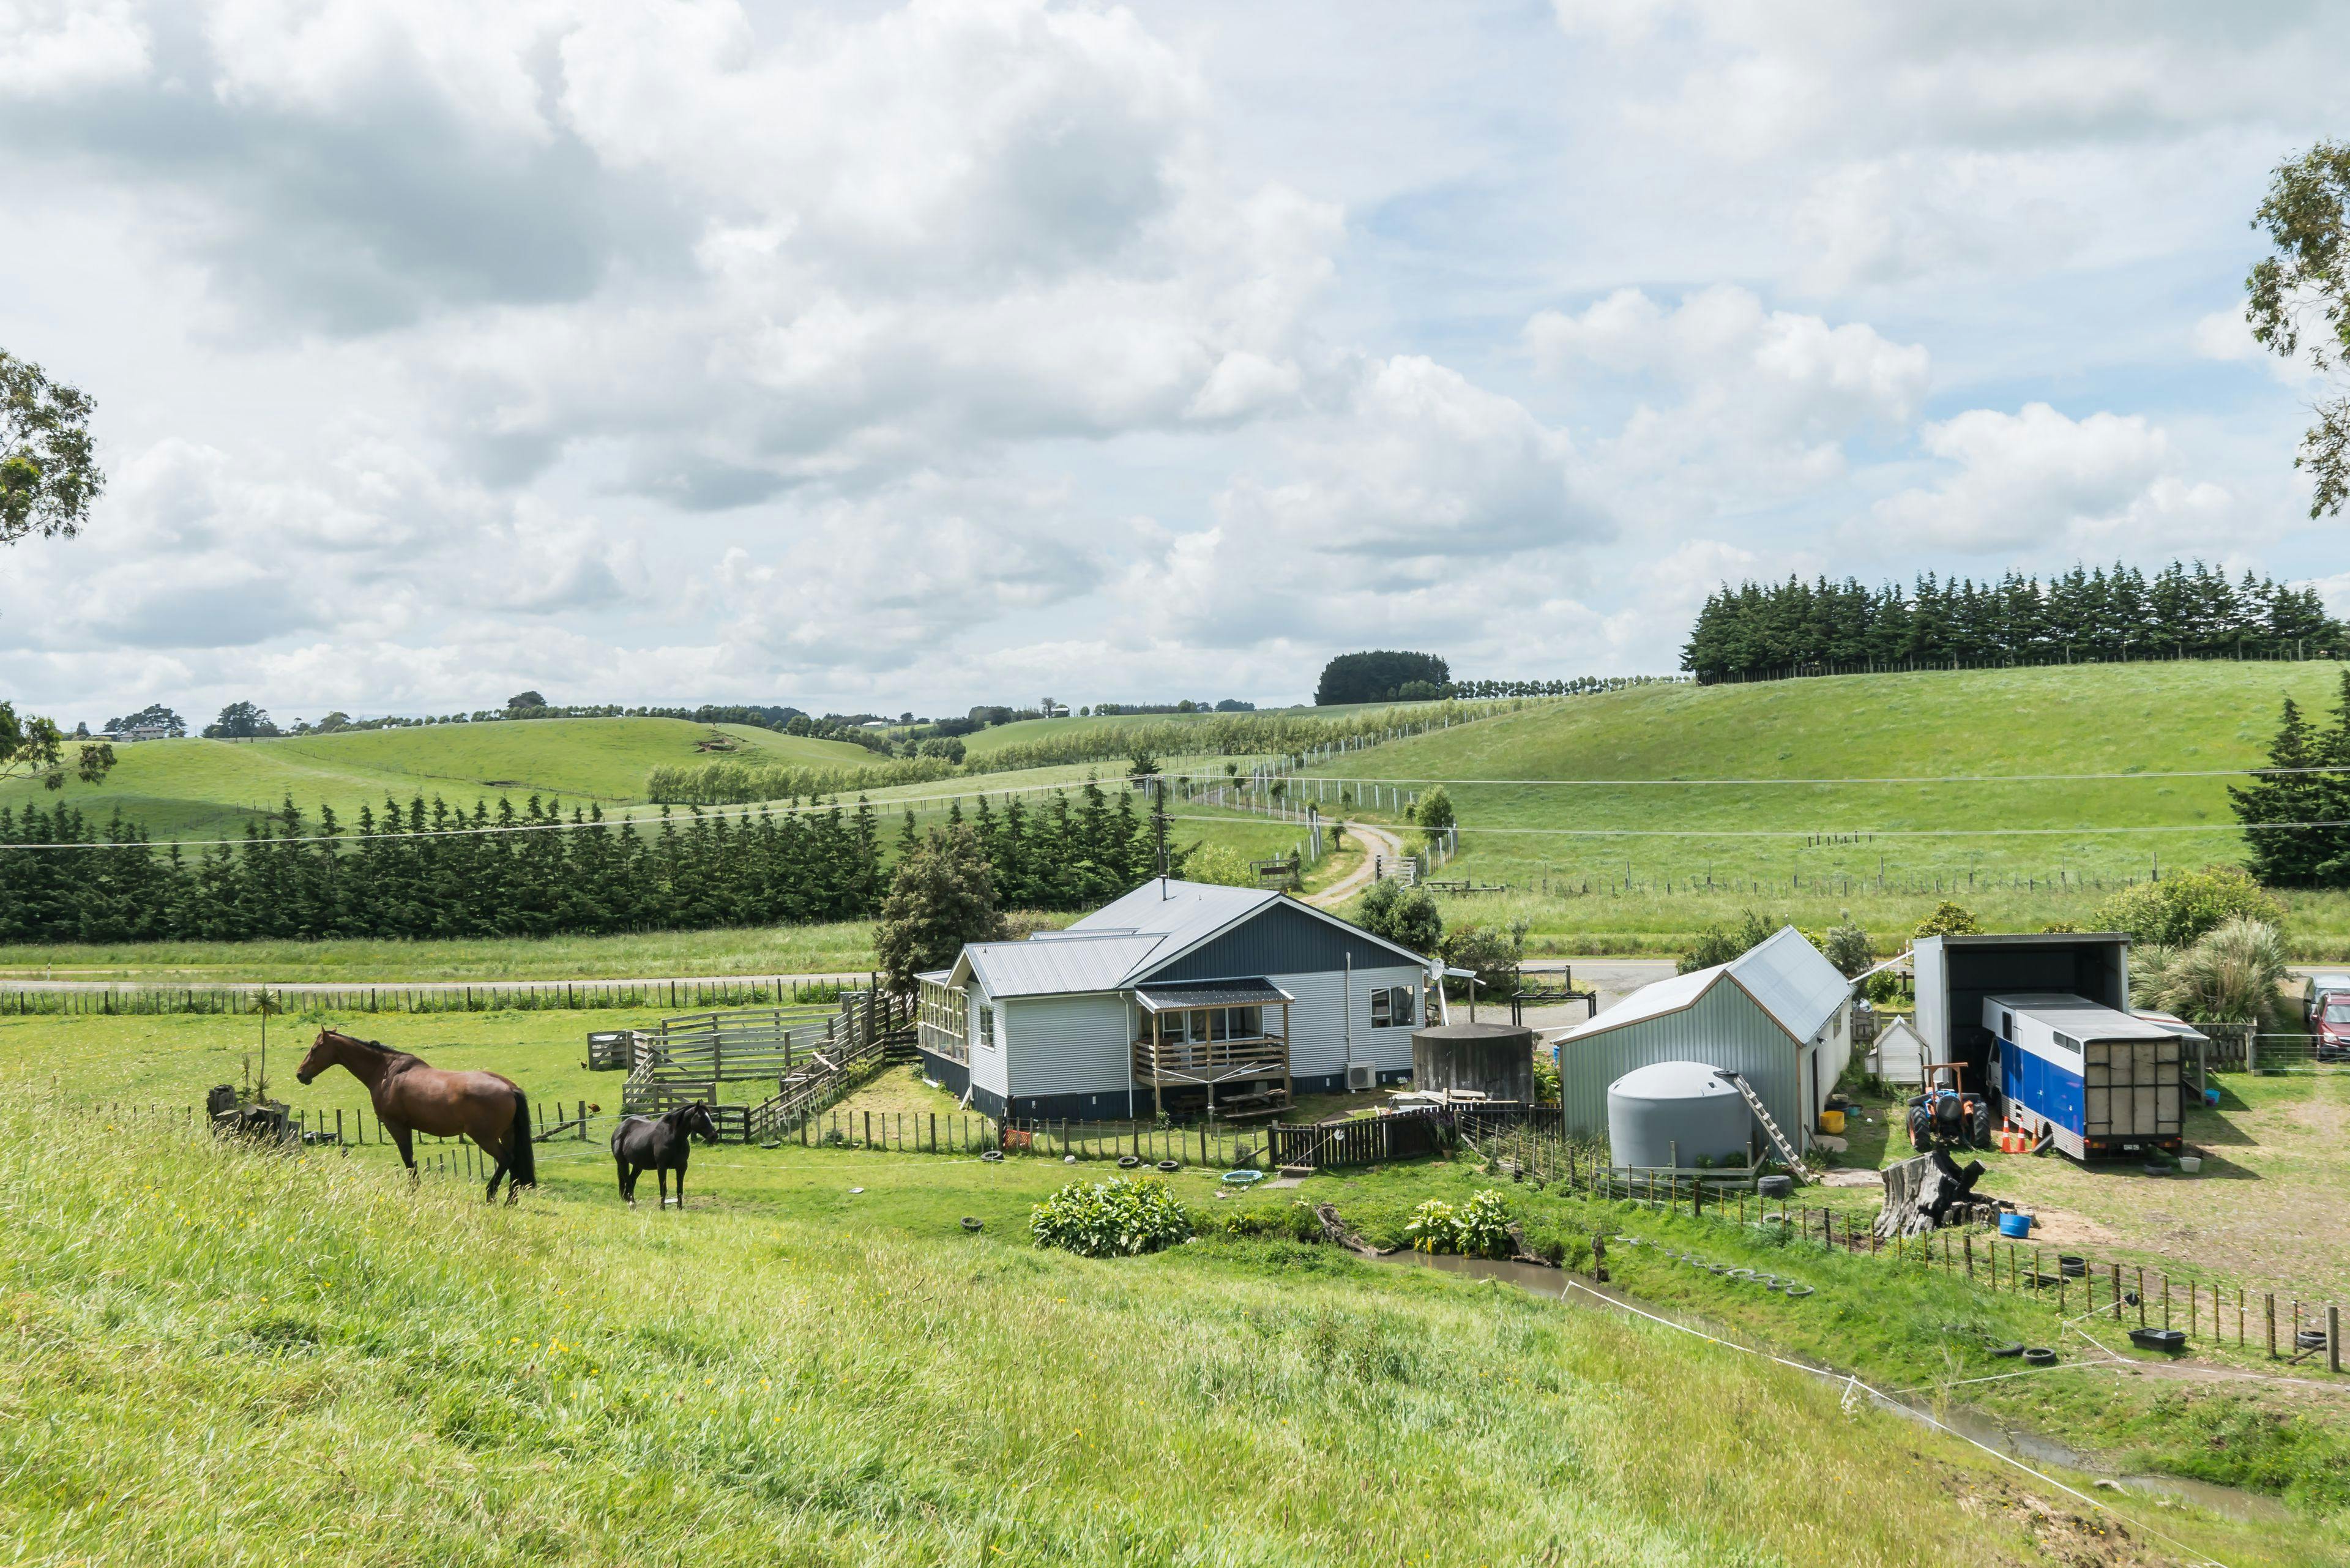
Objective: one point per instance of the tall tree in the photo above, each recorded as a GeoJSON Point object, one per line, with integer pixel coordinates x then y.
{"type": "Point", "coordinates": [2298, 300]}
{"type": "Point", "coordinates": [942, 896]}
{"type": "Point", "coordinates": [48, 466]}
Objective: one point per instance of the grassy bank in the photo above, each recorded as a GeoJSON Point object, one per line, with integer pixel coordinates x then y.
{"type": "Point", "coordinates": [1939, 731]}
{"type": "Point", "coordinates": [215, 1355]}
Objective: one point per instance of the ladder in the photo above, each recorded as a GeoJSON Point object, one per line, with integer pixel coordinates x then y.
{"type": "Point", "coordinates": [1794, 1162]}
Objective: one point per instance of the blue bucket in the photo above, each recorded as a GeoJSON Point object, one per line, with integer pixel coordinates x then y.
{"type": "Point", "coordinates": [2015, 1226]}
{"type": "Point", "coordinates": [2211, 1099]}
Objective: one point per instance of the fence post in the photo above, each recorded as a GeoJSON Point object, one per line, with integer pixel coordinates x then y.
{"type": "Point", "coordinates": [2333, 1337]}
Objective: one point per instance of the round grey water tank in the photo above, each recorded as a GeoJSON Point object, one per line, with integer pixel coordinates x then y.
{"type": "Point", "coordinates": [1669, 1108]}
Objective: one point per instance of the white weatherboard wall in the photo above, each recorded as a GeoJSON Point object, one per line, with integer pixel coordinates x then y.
{"type": "Point", "coordinates": [987, 1062]}
{"type": "Point", "coordinates": [1318, 1021]}
{"type": "Point", "coordinates": [1723, 1028]}
{"type": "Point", "coordinates": [1070, 1045]}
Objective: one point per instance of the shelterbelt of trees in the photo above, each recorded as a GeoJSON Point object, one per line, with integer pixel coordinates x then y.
{"type": "Point", "coordinates": [1757, 629]}
{"type": "Point", "coordinates": [431, 869]}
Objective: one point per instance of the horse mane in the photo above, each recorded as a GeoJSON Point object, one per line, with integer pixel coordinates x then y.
{"type": "Point", "coordinates": [378, 1047]}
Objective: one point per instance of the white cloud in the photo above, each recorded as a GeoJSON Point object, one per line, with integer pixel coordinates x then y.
{"type": "Point", "coordinates": [2038, 480]}
{"type": "Point", "coordinates": [1761, 400]}
{"type": "Point", "coordinates": [58, 47]}
{"type": "Point", "coordinates": [1422, 465]}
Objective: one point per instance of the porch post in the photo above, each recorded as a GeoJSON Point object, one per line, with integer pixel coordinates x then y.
{"type": "Point", "coordinates": [1288, 1087]}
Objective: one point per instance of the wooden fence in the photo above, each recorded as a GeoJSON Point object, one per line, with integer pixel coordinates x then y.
{"type": "Point", "coordinates": [1357, 1140]}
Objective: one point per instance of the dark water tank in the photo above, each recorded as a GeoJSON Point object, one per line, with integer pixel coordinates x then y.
{"type": "Point", "coordinates": [1495, 1060]}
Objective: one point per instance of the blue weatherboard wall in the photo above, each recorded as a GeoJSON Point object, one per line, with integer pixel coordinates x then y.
{"type": "Point", "coordinates": [1282, 940]}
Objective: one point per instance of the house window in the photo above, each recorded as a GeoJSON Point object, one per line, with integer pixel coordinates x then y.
{"type": "Point", "coordinates": [1382, 1009]}
{"type": "Point", "coordinates": [987, 1027]}
{"type": "Point", "coordinates": [1402, 1009]}
{"type": "Point", "coordinates": [1248, 1022]}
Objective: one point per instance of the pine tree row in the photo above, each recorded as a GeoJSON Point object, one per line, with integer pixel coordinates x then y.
{"type": "Point", "coordinates": [431, 869]}
{"type": "Point", "coordinates": [1758, 631]}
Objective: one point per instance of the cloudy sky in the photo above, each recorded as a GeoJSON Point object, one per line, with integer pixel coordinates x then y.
{"type": "Point", "coordinates": [910, 356]}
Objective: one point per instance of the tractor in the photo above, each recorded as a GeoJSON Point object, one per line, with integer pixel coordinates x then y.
{"type": "Point", "coordinates": [1949, 1114]}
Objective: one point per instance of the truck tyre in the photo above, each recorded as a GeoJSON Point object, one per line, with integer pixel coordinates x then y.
{"type": "Point", "coordinates": [1979, 1129]}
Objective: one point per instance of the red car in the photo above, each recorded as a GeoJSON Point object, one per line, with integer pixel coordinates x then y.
{"type": "Point", "coordinates": [2329, 1021]}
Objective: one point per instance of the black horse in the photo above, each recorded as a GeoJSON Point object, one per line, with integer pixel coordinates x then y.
{"type": "Point", "coordinates": [660, 1144]}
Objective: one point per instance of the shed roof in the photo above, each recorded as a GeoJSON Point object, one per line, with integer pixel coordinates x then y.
{"type": "Point", "coordinates": [1784, 974]}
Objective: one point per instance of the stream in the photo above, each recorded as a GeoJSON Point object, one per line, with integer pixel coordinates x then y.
{"type": "Point", "coordinates": [1968, 1420]}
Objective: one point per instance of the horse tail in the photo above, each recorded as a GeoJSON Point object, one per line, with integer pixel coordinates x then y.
{"type": "Point", "coordinates": [522, 1165]}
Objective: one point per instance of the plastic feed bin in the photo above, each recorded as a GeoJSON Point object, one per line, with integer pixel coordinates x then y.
{"type": "Point", "coordinates": [2015, 1227]}
{"type": "Point", "coordinates": [1832, 1122]}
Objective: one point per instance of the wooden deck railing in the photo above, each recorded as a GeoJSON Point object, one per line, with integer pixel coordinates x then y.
{"type": "Point", "coordinates": [1210, 1060]}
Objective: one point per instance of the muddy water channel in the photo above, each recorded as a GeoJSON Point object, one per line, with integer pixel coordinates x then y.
{"type": "Point", "coordinates": [1970, 1421]}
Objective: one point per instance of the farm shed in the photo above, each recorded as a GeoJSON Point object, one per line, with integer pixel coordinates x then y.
{"type": "Point", "coordinates": [1177, 996]}
{"type": "Point", "coordinates": [1956, 974]}
{"type": "Point", "coordinates": [1780, 1015]}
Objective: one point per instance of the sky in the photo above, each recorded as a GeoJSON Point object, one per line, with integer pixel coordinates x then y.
{"type": "Point", "coordinates": [908, 356]}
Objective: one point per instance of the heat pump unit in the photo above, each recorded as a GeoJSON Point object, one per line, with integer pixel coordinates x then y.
{"type": "Point", "coordinates": [1361, 1076]}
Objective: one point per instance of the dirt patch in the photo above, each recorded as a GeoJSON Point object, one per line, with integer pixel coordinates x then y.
{"type": "Point", "coordinates": [2061, 1228]}
{"type": "Point", "coordinates": [2065, 1533]}
{"type": "Point", "coordinates": [1874, 1178]}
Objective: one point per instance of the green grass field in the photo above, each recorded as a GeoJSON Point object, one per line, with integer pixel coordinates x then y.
{"type": "Point", "coordinates": [198, 788]}
{"type": "Point", "coordinates": [217, 1355]}
{"type": "Point", "coordinates": [225, 1315]}
{"type": "Point", "coordinates": [1660, 859]}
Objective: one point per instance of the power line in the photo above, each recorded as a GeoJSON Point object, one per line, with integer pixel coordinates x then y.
{"type": "Point", "coordinates": [1841, 833]}
{"type": "Point", "coordinates": [1891, 779]}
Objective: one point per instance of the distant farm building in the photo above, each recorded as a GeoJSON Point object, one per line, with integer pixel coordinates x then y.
{"type": "Point", "coordinates": [1780, 1015]}
{"type": "Point", "coordinates": [1178, 996]}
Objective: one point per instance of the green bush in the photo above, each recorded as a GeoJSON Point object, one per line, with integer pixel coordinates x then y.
{"type": "Point", "coordinates": [1950, 919]}
{"type": "Point", "coordinates": [1112, 1219]}
{"type": "Point", "coordinates": [1291, 1221]}
{"type": "Point", "coordinates": [1477, 1229]}
{"type": "Point", "coordinates": [2181, 908]}
{"type": "Point", "coordinates": [2230, 976]}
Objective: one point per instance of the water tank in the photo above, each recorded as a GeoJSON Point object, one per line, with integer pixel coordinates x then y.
{"type": "Point", "coordinates": [1669, 1107]}
{"type": "Point", "coordinates": [1495, 1060]}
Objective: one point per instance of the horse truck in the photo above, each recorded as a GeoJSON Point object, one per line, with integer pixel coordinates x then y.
{"type": "Point", "coordinates": [2089, 1079]}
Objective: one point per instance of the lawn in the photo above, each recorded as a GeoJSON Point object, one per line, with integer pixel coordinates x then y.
{"type": "Point", "coordinates": [217, 1355]}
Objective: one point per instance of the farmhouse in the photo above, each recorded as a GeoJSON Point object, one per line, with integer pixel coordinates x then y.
{"type": "Point", "coordinates": [1178, 996]}
{"type": "Point", "coordinates": [1780, 1015]}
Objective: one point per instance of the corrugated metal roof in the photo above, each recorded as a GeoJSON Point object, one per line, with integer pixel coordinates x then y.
{"type": "Point", "coordinates": [1784, 974]}
{"type": "Point", "coordinates": [1794, 984]}
{"type": "Point", "coordinates": [1071, 964]}
{"type": "Point", "coordinates": [1120, 942]}
{"type": "Point", "coordinates": [1213, 993]}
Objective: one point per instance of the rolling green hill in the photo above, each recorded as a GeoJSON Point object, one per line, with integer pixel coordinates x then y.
{"type": "Point", "coordinates": [197, 788]}
{"type": "Point", "coordinates": [1964, 743]}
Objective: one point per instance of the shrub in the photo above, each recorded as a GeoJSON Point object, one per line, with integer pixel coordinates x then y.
{"type": "Point", "coordinates": [1407, 917]}
{"type": "Point", "coordinates": [1716, 946]}
{"type": "Point", "coordinates": [1213, 863]}
{"type": "Point", "coordinates": [1477, 1229]}
{"type": "Point", "coordinates": [2179, 909]}
{"type": "Point", "coordinates": [1489, 952]}
{"type": "Point", "coordinates": [1848, 948]}
{"type": "Point", "coordinates": [1950, 919]}
{"type": "Point", "coordinates": [1113, 1219]}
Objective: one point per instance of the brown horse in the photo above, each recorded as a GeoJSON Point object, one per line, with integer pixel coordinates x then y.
{"type": "Point", "coordinates": [411, 1097]}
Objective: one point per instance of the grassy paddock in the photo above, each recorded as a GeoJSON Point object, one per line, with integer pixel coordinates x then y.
{"type": "Point", "coordinates": [217, 1355]}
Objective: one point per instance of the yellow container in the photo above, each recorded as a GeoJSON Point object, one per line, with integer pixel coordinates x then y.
{"type": "Point", "coordinates": [1832, 1122]}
